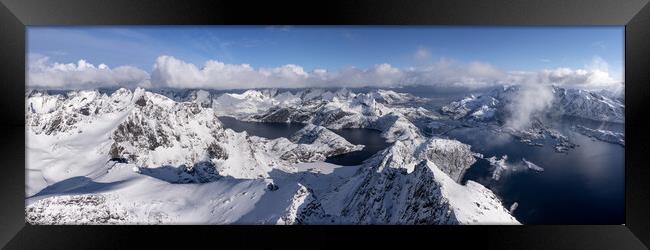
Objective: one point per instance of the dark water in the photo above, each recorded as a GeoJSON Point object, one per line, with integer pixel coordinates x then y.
{"type": "Point", "coordinates": [262, 129]}
{"type": "Point", "coordinates": [585, 186]}
{"type": "Point", "coordinates": [370, 138]}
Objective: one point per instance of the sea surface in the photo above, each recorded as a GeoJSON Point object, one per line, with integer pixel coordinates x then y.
{"type": "Point", "coordinates": [583, 186]}
{"type": "Point", "coordinates": [586, 185]}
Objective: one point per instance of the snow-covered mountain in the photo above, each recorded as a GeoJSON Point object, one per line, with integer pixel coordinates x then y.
{"type": "Point", "coordinates": [568, 102]}
{"type": "Point", "coordinates": [315, 143]}
{"type": "Point", "coordinates": [151, 130]}
{"type": "Point", "coordinates": [141, 157]}
{"type": "Point", "coordinates": [590, 105]}
{"type": "Point", "coordinates": [479, 108]}
{"type": "Point", "coordinates": [333, 110]}
{"type": "Point", "coordinates": [416, 182]}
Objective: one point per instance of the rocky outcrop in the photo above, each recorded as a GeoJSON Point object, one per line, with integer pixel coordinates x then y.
{"type": "Point", "coordinates": [417, 182]}
{"type": "Point", "coordinates": [75, 210]}
{"type": "Point", "coordinates": [394, 196]}
{"type": "Point", "coordinates": [324, 138]}
{"type": "Point", "coordinates": [316, 143]}
{"type": "Point", "coordinates": [424, 196]}
{"type": "Point", "coordinates": [450, 156]}
{"type": "Point", "coordinates": [603, 135]}
{"type": "Point", "coordinates": [414, 181]}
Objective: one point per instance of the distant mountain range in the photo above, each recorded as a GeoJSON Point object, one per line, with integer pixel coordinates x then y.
{"type": "Point", "coordinates": [142, 157]}
{"type": "Point", "coordinates": [568, 102]}
{"type": "Point", "coordinates": [137, 156]}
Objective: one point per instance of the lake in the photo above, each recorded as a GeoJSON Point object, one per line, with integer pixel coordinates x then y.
{"type": "Point", "coordinates": [266, 130]}
{"type": "Point", "coordinates": [370, 138]}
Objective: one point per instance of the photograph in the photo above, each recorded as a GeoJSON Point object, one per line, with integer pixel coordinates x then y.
{"type": "Point", "coordinates": [324, 125]}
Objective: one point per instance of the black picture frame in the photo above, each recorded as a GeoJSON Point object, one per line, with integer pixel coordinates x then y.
{"type": "Point", "coordinates": [15, 15]}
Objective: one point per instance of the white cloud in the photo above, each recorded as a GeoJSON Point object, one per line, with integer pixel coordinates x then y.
{"type": "Point", "coordinates": [172, 72]}
{"type": "Point", "coordinates": [43, 73]}
{"type": "Point", "coordinates": [449, 73]}
{"type": "Point", "coordinates": [422, 54]}
{"type": "Point", "coordinates": [380, 75]}
{"type": "Point", "coordinates": [169, 71]}
{"type": "Point", "coordinates": [531, 99]}
{"type": "Point", "coordinates": [594, 76]}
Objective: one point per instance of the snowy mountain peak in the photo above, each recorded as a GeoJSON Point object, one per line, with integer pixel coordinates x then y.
{"type": "Point", "coordinates": [152, 155]}
{"type": "Point", "coordinates": [568, 102]}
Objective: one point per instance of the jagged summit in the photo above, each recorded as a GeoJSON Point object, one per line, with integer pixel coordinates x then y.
{"type": "Point", "coordinates": [178, 164]}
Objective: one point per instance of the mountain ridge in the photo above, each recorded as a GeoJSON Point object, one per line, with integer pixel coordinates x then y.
{"type": "Point", "coordinates": [159, 137]}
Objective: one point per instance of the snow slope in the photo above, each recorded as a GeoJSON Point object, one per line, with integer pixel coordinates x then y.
{"type": "Point", "coordinates": [140, 157]}
{"type": "Point", "coordinates": [410, 183]}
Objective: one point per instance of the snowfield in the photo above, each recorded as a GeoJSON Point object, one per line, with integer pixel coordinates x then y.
{"type": "Point", "coordinates": [139, 157]}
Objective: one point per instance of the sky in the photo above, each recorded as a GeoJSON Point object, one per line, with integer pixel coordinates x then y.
{"type": "Point", "coordinates": [224, 57]}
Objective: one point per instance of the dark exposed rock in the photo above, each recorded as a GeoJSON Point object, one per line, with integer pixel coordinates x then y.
{"type": "Point", "coordinates": [272, 187]}
{"type": "Point", "coordinates": [195, 108]}
{"type": "Point", "coordinates": [217, 152]}
{"type": "Point", "coordinates": [330, 117]}
{"type": "Point", "coordinates": [392, 196]}
{"type": "Point", "coordinates": [427, 205]}
{"type": "Point", "coordinates": [312, 212]}
{"type": "Point", "coordinates": [119, 160]}
{"type": "Point", "coordinates": [280, 115]}
{"type": "Point", "coordinates": [84, 111]}
{"type": "Point", "coordinates": [54, 126]}
{"type": "Point", "coordinates": [201, 172]}
{"type": "Point", "coordinates": [70, 121]}
{"type": "Point", "coordinates": [454, 161]}
{"type": "Point", "coordinates": [115, 151]}
{"type": "Point", "coordinates": [153, 142]}
{"type": "Point", "coordinates": [80, 209]}
{"type": "Point", "coordinates": [141, 101]}
{"type": "Point", "coordinates": [302, 154]}
{"type": "Point", "coordinates": [139, 133]}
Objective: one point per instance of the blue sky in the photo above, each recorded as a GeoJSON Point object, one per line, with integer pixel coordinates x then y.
{"type": "Point", "coordinates": [333, 47]}
{"type": "Point", "coordinates": [509, 48]}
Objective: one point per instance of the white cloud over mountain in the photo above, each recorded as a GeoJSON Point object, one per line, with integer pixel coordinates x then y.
{"type": "Point", "coordinates": [169, 71]}
{"type": "Point", "coordinates": [42, 72]}
{"type": "Point", "coordinates": [594, 76]}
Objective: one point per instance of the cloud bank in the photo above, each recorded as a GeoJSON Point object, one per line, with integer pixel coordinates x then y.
{"type": "Point", "coordinates": [43, 73]}
{"type": "Point", "coordinates": [594, 76]}
{"type": "Point", "coordinates": [172, 72]}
